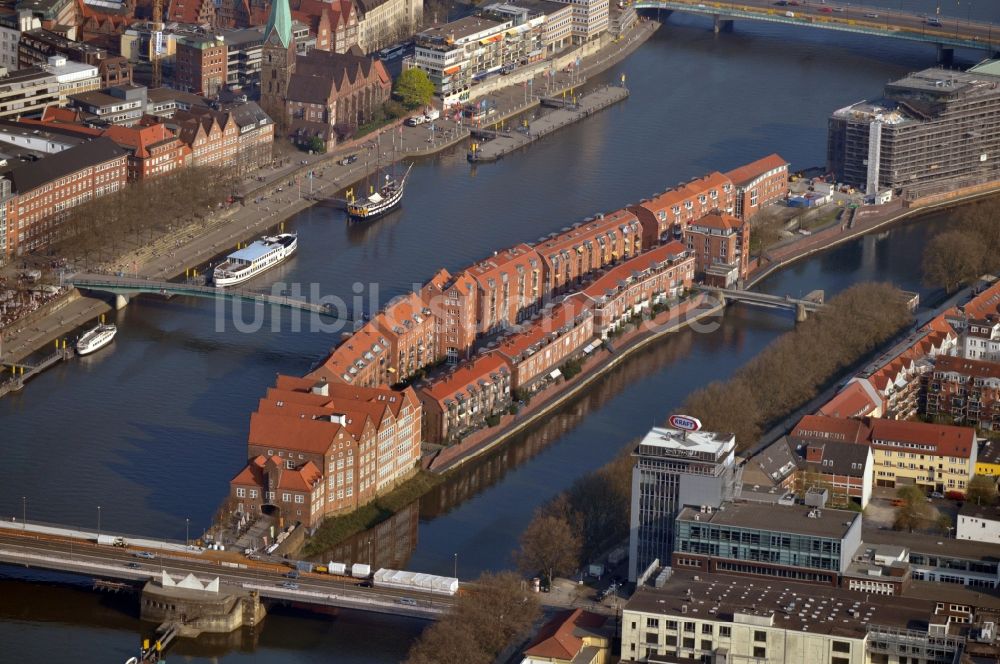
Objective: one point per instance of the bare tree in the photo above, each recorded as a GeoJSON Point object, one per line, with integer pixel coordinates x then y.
{"type": "Point", "coordinates": [549, 545]}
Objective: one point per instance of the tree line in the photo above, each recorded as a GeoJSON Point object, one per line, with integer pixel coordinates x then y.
{"type": "Point", "coordinates": [103, 228]}
{"type": "Point", "coordinates": [967, 249]}
{"type": "Point", "coordinates": [494, 611]}
{"type": "Point", "coordinates": [796, 366]}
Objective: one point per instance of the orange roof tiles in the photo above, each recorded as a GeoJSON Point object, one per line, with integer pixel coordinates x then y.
{"type": "Point", "coordinates": [501, 261]}
{"type": "Point", "coordinates": [750, 172]}
{"type": "Point", "coordinates": [537, 331]}
{"type": "Point", "coordinates": [821, 427]}
{"type": "Point", "coordinates": [610, 280]}
{"type": "Point", "coordinates": [560, 638]}
{"type": "Point", "coordinates": [303, 478]}
{"type": "Point", "coordinates": [467, 374]}
{"type": "Point", "coordinates": [140, 138]}
{"type": "Point", "coordinates": [723, 222]}
{"type": "Point", "coordinates": [586, 231]}
{"type": "Point", "coordinates": [974, 368]}
{"type": "Point", "coordinates": [302, 434]}
{"type": "Point", "coordinates": [947, 440]}
{"type": "Point", "coordinates": [985, 304]}
{"type": "Point", "coordinates": [852, 401]}
{"type": "Point", "coordinates": [692, 189]}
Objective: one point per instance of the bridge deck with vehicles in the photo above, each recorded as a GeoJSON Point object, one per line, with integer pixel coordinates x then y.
{"type": "Point", "coordinates": [947, 33]}
{"type": "Point", "coordinates": [801, 306]}
{"type": "Point", "coordinates": [140, 560]}
{"type": "Point", "coordinates": [128, 286]}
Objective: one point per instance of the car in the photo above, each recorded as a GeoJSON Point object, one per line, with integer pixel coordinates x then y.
{"type": "Point", "coordinates": [839, 10]}
{"type": "Point", "coordinates": [414, 121]}
{"type": "Point", "coordinates": [304, 162]}
{"type": "Point", "coordinates": [132, 565]}
{"type": "Point", "coordinates": [933, 21]}
{"type": "Point", "coordinates": [148, 555]}
{"type": "Point", "coordinates": [280, 189]}
{"type": "Point", "coordinates": [826, 10]}
{"type": "Point", "coordinates": [348, 160]}
{"type": "Point", "coordinates": [407, 601]}
{"type": "Point", "coordinates": [871, 15]}
{"type": "Point", "coordinates": [288, 585]}
{"type": "Point", "coordinates": [294, 574]}
{"type": "Point", "coordinates": [937, 494]}
{"type": "Point", "coordinates": [790, 14]}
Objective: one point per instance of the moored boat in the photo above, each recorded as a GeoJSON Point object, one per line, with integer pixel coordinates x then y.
{"type": "Point", "coordinates": [381, 202]}
{"type": "Point", "coordinates": [253, 259]}
{"type": "Point", "coordinates": [95, 339]}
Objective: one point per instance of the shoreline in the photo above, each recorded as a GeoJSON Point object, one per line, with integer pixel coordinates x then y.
{"type": "Point", "coordinates": [240, 222]}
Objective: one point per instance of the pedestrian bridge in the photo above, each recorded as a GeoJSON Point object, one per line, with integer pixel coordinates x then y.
{"type": "Point", "coordinates": [125, 287]}
{"type": "Point", "coordinates": [801, 306]}
{"type": "Point", "coordinates": [946, 33]}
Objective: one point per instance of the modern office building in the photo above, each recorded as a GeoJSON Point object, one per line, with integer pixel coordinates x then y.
{"type": "Point", "coordinates": [672, 469]}
{"type": "Point", "coordinates": [930, 128]}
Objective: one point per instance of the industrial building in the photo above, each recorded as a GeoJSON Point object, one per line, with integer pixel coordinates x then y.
{"type": "Point", "coordinates": [932, 130]}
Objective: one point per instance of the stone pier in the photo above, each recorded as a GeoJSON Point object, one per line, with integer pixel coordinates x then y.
{"type": "Point", "coordinates": [199, 607]}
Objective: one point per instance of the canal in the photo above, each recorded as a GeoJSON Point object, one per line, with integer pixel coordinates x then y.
{"type": "Point", "coordinates": [148, 432]}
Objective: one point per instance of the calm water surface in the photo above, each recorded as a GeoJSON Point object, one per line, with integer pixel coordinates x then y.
{"type": "Point", "coordinates": [151, 429]}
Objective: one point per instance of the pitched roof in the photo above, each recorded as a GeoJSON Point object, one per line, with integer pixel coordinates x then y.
{"type": "Point", "coordinates": [776, 461]}
{"type": "Point", "coordinates": [692, 189]}
{"type": "Point", "coordinates": [836, 458]}
{"type": "Point", "coordinates": [279, 23]}
{"type": "Point", "coordinates": [252, 474]}
{"type": "Point", "coordinates": [303, 478]}
{"type": "Point", "coordinates": [945, 440]}
{"type": "Point", "coordinates": [748, 173]}
{"type": "Point", "coordinates": [34, 174]}
{"type": "Point", "coordinates": [723, 222]}
{"type": "Point", "coordinates": [320, 74]}
{"type": "Point", "coordinates": [590, 230]}
{"type": "Point", "coordinates": [561, 637]}
{"type": "Point", "coordinates": [962, 366]}
{"type": "Point", "coordinates": [856, 400]}
{"type": "Point", "coordinates": [141, 138]}
{"type": "Point", "coordinates": [302, 434]}
{"type": "Point", "coordinates": [466, 376]}
{"type": "Point", "coordinates": [984, 304]}
{"type": "Point", "coordinates": [616, 277]}
{"type": "Point", "coordinates": [534, 336]}
{"type": "Point", "coordinates": [824, 428]}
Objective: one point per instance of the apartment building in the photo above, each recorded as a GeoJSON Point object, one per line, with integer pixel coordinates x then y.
{"type": "Point", "coordinates": [456, 54]}
{"type": "Point", "coordinates": [153, 150]}
{"type": "Point", "coordinates": [552, 22]}
{"type": "Point", "coordinates": [634, 286]}
{"type": "Point", "coordinates": [758, 184]}
{"type": "Point", "coordinates": [201, 65]}
{"type": "Point", "coordinates": [38, 45]}
{"type": "Point", "coordinates": [965, 392]}
{"type": "Point", "coordinates": [577, 252]}
{"type": "Point", "coordinates": [590, 18]}
{"type": "Point", "coordinates": [510, 287]}
{"type": "Point", "coordinates": [554, 336]}
{"type": "Point", "coordinates": [721, 247]}
{"type": "Point", "coordinates": [43, 191]}
{"type": "Point", "coordinates": [384, 22]}
{"type": "Point", "coordinates": [452, 300]}
{"type": "Point", "coordinates": [933, 457]}
{"type": "Point", "coordinates": [119, 105]}
{"type": "Point", "coordinates": [324, 449]}
{"type": "Point", "coordinates": [12, 24]}
{"type": "Point", "coordinates": [675, 208]}
{"type": "Point", "coordinates": [408, 325]}
{"type": "Point", "coordinates": [466, 398]}
{"type": "Point", "coordinates": [28, 92]}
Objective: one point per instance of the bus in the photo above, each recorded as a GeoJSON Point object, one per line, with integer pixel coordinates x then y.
{"type": "Point", "coordinates": [391, 52]}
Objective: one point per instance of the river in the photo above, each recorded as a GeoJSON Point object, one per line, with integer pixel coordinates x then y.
{"type": "Point", "coordinates": [148, 432]}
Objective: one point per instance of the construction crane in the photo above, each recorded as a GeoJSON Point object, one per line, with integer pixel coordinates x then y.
{"type": "Point", "coordinates": [156, 37]}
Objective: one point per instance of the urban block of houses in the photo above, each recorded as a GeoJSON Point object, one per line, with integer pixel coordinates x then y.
{"type": "Point", "coordinates": [466, 398]}
{"type": "Point", "coordinates": [757, 184]}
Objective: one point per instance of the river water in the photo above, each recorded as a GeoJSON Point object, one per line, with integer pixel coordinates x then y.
{"type": "Point", "coordinates": [148, 432]}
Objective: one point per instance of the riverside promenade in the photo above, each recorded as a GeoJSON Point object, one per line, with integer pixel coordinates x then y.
{"type": "Point", "coordinates": [265, 208]}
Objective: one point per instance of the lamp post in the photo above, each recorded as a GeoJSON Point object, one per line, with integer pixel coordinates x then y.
{"type": "Point", "coordinates": [369, 553]}
{"type": "Point", "coordinates": [456, 566]}
{"type": "Point", "coordinates": [98, 522]}
{"type": "Point", "coordinates": [187, 532]}
{"type": "Point", "coordinates": [24, 512]}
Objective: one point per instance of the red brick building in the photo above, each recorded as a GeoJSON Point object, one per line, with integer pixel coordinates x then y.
{"type": "Point", "coordinates": [361, 360]}
{"type": "Point", "coordinates": [200, 65]}
{"type": "Point", "coordinates": [39, 194]}
{"type": "Point", "coordinates": [317, 448]}
{"type": "Point", "coordinates": [153, 150]}
{"type": "Point", "coordinates": [633, 286]}
{"type": "Point", "coordinates": [965, 392]}
{"type": "Point", "coordinates": [674, 209]}
{"type": "Point", "coordinates": [213, 138]}
{"type": "Point", "coordinates": [721, 247]}
{"type": "Point", "coordinates": [334, 24]}
{"type": "Point", "coordinates": [510, 287]}
{"type": "Point", "coordinates": [461, 401]}
{"type": "Point", "coordinates": [410, 328]}
{"type": "Point", "coordinates": [547, 342]}
{"type": "Point", "coordinates": [452, 301]}
{"type": "Point", "coordinates": [758, 184]}
{"type": "Point", "coordinates": [573, 254]}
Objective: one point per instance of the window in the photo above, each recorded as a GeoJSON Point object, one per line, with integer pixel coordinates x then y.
{"type": "Point", "coordinates": [759, 635]}
{"type": "Point", "coordinates": [689, 628]}
{"type": "Point", "coordinates": [706, 644]}
{"type": "Point", "coordinates": [725, 631]}
{"type": "Point", "coordinates": [299, 499]}
{"type": "Point", "coordinates": [760, 652]}
{"type": "Point", "coordinates": [688, 643]}
{"type": "Point", "coordinates": [241, 493]}
{"type": "Point", "coordinates": [651, 637]}
{"type": "Point", "coordinates": [706, 628]}
{"type": "Point", "coordinates": [671, 624]}
{"type": "Point", "coordinates": [286, 497]}
{"type": "Point", "coordinates": [841, 646]}
{"type": "Point", "coordinates": [653, 623]}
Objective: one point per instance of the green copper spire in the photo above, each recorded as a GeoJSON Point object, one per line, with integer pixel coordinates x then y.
{"type": "Point", "coordinates": [279, 23]}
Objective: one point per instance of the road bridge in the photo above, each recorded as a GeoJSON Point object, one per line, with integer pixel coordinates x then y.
{"type": "Point", "coordinates": [81, 555]}
{"type": "Point", "coordinates": [125, 287]}
{"type": "Point", "coordinates": [801, 306]}
{"type": "Point", "coordinates": [945, 33]}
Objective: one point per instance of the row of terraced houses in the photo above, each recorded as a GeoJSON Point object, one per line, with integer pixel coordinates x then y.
{"type": "Point", "coordinates": [350, 430]}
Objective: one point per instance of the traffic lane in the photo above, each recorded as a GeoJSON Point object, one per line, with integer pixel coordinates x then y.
{"type": "Point", "coordinates": [73, 552]}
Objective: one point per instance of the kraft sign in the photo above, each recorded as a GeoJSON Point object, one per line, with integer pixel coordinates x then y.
{"type": "Point", "coordinates": [684, 423]}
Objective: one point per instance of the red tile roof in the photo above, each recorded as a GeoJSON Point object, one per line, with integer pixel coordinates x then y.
{"type": "Point", "coordinates": [985, 304]}
{"type": "Point", "coordinates": [852, 401]}
{"type": "Point", "coordinates": [822, 427]}
{"type": "Point", "coordinates": [750, 172]}
{"type": "Point", "coordinates": [302, 434]}
{"type": "Point", "coordinates": [610, 280]}
{"type": "Point", "coordinates": [560, 637]}
{"type": "Point", "coordinates": [723, 222]}
{"type": "Point", "coordinates": [550, 323]}
{"type": "Point", "coordinates": [303, 478]}
{"type": "Point", "coordinates": [587, 231]}
{"type": "Point", "coordinates": [692, 189]}
{"type": "Point", "coordinates": [973, 368]}
{"type": "Point", "coordinates": [252, 474]}
{"type": "Point", "coordinates": [467, 374]}
{"type": "Point", "coordinates": [947, 440]}
{"type": "Point", "coordinates": [140, 138]}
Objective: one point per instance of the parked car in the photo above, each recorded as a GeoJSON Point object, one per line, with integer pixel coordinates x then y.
{"type": "Point", "coordinates": [431, 115]}
{"type": "Point", "coordinates": [937, 494]}
{"type": "Point", "coordinates": [414, 120]}
{"type": "Point", "coordinates": [348, 160]}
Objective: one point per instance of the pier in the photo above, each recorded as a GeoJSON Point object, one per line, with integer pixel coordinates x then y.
{"type": "Point", "coordinates": [22, 373]}
{"type": "Point", "coordinates": [567, 112]}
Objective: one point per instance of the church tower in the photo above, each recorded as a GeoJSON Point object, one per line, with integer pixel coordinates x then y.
{"type": "Point", "coordinates": [277, 63]}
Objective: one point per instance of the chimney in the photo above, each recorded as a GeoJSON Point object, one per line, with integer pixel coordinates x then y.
{"type": "Point", "coordinates": [321, 387]}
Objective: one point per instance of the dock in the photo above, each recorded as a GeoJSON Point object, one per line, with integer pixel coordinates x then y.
{"type": "Point", "coordinates": [567, 111]}
{"type": "Point", "coordinates": [22, 373]}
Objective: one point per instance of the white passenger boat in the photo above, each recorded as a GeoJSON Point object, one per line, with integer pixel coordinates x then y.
{"type": "Point", "coordinates": [95, 339]}
{"type": "Point", "coordinates": [250, 261]}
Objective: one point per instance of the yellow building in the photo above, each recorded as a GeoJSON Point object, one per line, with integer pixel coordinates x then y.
{"type": "Point", "coordinates": [934, 457]}
{"type": "Point", "coordinates": [571, 637]}
{"type": "Point", "coordinates": [988, 461]}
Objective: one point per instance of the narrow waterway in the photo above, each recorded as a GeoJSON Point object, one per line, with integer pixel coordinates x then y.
{"type": "Point", "coordinates": [151, 429]}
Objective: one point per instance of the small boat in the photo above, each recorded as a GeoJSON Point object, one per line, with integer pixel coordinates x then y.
{"type": "Point", "coordinates": [380, 202]}
{"type": "Point", "coordinates": [95, 339]}
{"type": "Point", "coordinates": [250, 261]}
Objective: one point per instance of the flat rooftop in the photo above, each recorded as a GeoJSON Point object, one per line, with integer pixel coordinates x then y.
{"type": "Point", "coordinates": [934, 545]}
{"type": "Point", "coordinates": [939, 80]}
{"type": "Point", "coordinates": [776, 518]}
{"type": "Point", "coordinates": [793, 606]}
{"type": "Point", "coordinates": [459, 29]}
{"type": "Point", "coordinates": [689, 442]}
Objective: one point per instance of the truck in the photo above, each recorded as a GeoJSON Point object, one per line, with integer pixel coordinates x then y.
{"type": "Point", "coordinates": [303, 566]}
{"type": "Point", "coordinates": [432, 114]}
{"type": "Point", "coordinates": [339, 569]}
{"type": "Point", "coordinates": [361, 570]}
{"type": "Point", "coordinates": [112, 540]}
